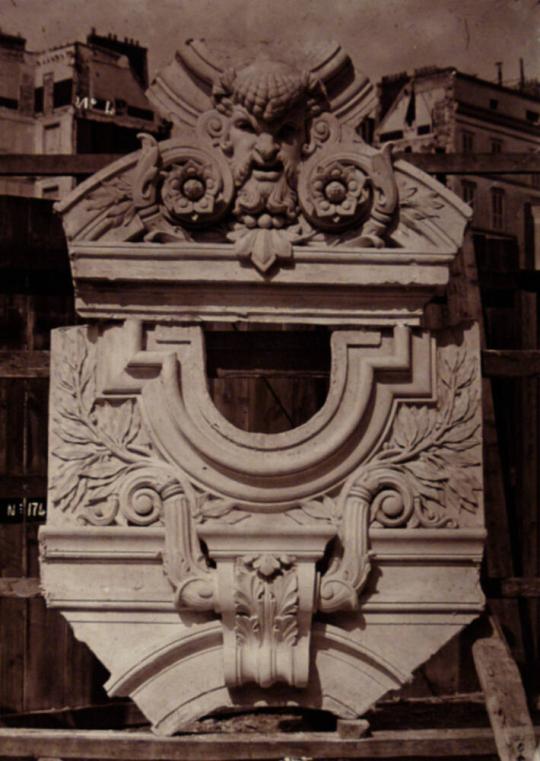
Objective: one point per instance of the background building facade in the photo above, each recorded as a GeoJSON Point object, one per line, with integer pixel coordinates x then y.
{"type": "Point", "coordinates": [78, 98]}
{"type": "Point", "coordinates": [446, 111]}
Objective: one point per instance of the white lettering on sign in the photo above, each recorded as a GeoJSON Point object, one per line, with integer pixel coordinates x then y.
{"type": "Point", "coordinates": [85, 103]}
{"type": "Point", "coordinates": [35, 509]}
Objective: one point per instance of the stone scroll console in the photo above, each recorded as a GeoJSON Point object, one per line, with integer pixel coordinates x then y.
{"type": "Point", "coordinates": [208, 567]}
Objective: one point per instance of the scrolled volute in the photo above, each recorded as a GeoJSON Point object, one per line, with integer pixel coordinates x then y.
{"type": "Point", "coordinates": [185, 566]}
{"type": "Point", "coordinates": [392, 501]}
{"type": "Point", "coordinates": [349, 569]}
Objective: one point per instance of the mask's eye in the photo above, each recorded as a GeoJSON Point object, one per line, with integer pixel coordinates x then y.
{"type": "Point", "coordinates": [245, 126]}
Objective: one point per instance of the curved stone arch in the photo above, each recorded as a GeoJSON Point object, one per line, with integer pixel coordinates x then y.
{"type": "Point", "coordinates": [196, 661]}
{"type": "Point", "coordinates": [280, 468]}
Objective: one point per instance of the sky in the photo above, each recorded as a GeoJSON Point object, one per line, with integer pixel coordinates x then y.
{"type": "Point", "coordinates": [382, 36]}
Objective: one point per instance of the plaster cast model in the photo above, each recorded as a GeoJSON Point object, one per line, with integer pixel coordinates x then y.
{"type": "Point", "coordinates": [208, 567]}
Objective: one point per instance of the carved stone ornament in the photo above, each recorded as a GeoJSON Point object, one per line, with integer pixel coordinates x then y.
{"type": "Point", "coordinates": [209, 567]}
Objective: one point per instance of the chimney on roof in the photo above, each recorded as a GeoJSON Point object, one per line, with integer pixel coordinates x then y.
{"type": "Point", "coordinates": [499, 66]}
{"type": "Point", "coordinates": [136, 55]}
{"type": "Point", "coordinates": [521, 74]}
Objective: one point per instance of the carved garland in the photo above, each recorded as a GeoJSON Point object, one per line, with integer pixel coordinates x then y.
{"type": "Point", "coordinates": [105, 471]}
{"type": "Point", "coordinates": [424, 475]}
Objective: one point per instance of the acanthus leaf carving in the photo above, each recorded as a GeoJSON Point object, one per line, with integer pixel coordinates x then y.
{"type": "Point", "coordinates": [266, 599]}
{"type": "Point", "coordinates": [266, 608]}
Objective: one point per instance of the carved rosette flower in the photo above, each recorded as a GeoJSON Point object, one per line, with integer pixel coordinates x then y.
{"type": "Point", "coordinates": [189, 191]}
{"type": "Point", "coordinates": [339, 192]}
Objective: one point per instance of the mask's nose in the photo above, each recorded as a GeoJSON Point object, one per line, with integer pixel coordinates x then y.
{"type": "Point", "coordinates": [266, 147]}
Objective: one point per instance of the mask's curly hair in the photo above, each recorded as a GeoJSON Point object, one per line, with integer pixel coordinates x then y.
{"type": "Point", "coordinates": [268, 90]}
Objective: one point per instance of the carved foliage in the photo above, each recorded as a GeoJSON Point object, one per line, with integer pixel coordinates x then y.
{"type": "Point", "coordinates": [100, 459]}
{"type": "Point", "coordinates": [425, 474]}
{"type": "Point", "coordinates": [266, 599]}
{"type": "Point", "coordinates": [115, 197]}
{"type": "Point", "coordinates": [416, 205]}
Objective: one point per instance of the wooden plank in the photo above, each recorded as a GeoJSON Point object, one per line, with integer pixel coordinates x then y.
{"type": "Point", "coordinates": [12, 623]}
{"type": "Point", "coordinates": [528, 587]}
{"type": "Point", "coordinates": [231, 398]}
{"type": "Point", "coordinates": [449, 163]}
{"type": "Point", "coordinates": [464, 303]}
{"type": "Point", "coordinates": [55, 164]}
{"type": "Point", "coordinates": [143, 746]}
{"type": "Point", "coordinates": [513, 280]}
{"type": "Point", "coordinates": [24, 364]}
{"type": "Point", "coordinates": [44, 682]}
{"type": "Point", "coordinates": [23, 486]}
{"type": "Point", "coordinates": [527, 483]}
{"type": "Point", "coordinates": [475, 163]}
{"type": "Point", "coordinates": [267, 350]}
{"type": "Point", "coordinates": [19, 587]}
{"type": "Point", "coordinates": [505, 698]}
{"type": "Point", "coordinates": [510, 363]}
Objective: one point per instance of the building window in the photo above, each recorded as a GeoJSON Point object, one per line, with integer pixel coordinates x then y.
{"type": "Point", "coordinates": [496, 145]}
{"type": "Point", "coordinates": [497, 208]}
{"type": "Point", "coordinates": [396, 134]}
{"type": "Point", "coordinates": [9, 103]}
{"type": "Point", "coordinates": [468, 192]}
{"type": "Point", "coordinates": [50, 191]}
{"type": "Point", "coordinates": [494, 104]}
{"type": "Point", "coordinates": [532, 116]}
{"type": "Point", "coordinates": [48, 92]}
{"type": "Point", "coordinates": [467, 141]}
{"type": "Point", "coordinates": [423, 129]}
{"type": "Point", "coordinates": [140, 113]}
{"type": "Point", "coordinates": [38, 100]}
{"type": "Point", "coordinates": [62, 93]}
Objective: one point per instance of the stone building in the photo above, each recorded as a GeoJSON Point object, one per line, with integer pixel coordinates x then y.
{"type": "Point", "coordinates": [438, 110]}
{"type": "Point", "coordinates": [76, 98]}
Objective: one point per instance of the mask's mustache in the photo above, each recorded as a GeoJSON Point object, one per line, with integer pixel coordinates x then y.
{"type": "Point", "coordinates": [242, 169]}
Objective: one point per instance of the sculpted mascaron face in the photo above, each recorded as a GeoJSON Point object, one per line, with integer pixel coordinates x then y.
{"type": "Point", "coordinates": [267, 107]}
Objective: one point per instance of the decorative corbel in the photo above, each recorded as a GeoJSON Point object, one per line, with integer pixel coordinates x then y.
{"type": "Point", "coordinates": [267, 584]}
